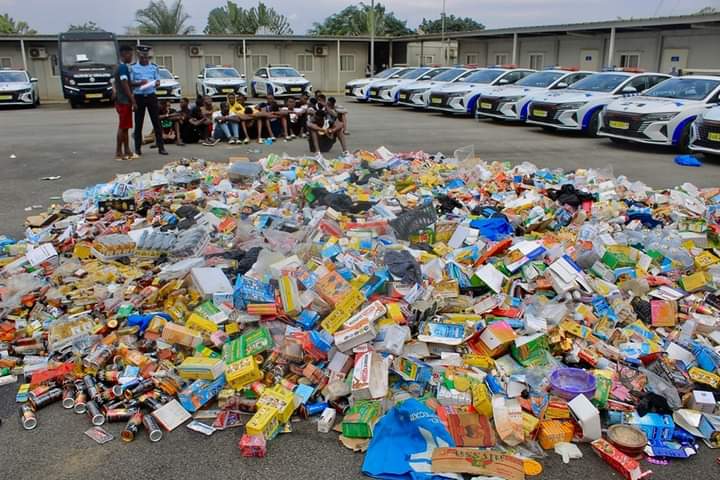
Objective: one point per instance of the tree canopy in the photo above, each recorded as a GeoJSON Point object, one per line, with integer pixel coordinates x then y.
{"type": "Point", "coordinates": [452, 24]}
{"type": "Point", "coordinates": [232, 18]}
{"type": "Point", "coordinates": [9, 25]}
{"type": "Point", "coordinates": [356, 20]}
{"type": "Point", "coordinates": [160, 18]}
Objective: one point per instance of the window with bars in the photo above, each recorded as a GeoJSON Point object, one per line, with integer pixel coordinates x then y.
{"type": "Point", "coordinates": [536, 61]}
{"type": "Point", "coordinates": [347, 63]}
{"type": "Point", "coordinates": [165, 61]}
{"type": "Point", "coordinates": [258, 61]}
{"type": "Point", "coordinates": [472, 59]}
{"type": "Point", "coordinates": [501, 58]}
{"type": "Point", "coordinates": [629, 60]}
{"type": "Point", "coordinates": [212, 60]}
{"type": "Point", "coordinates": [305, 62]}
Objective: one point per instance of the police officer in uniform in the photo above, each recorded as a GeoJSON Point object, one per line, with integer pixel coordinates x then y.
{"type": "Point", "coordinates": [145, 78]}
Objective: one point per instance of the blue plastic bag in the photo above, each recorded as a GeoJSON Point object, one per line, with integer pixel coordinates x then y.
{"type": "Point", "coordinates": [493, 229]}
{"type": "Point", "coordinates": [688, 161]}
{"type": "Point", "coordinates": [403, 442]}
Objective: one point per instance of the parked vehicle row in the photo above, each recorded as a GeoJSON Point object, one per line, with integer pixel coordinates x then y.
{"type": "Point", "coordinates": [623, 105]}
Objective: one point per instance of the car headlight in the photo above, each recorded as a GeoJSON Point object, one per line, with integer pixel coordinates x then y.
{"type": "Point", "coordinates": [660, 117]}
{"type": "Point", "coordinates": [456, 94]}
{"type": "Point", "coordinates": [71, 82]}
{"type": "Point", "coordinates": [513, 99]}
{"type": "Point", "coordinates": [570, 106]}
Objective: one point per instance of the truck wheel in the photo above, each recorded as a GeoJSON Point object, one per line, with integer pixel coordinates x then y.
{"type": "Point", "coordinates": [73, 104]}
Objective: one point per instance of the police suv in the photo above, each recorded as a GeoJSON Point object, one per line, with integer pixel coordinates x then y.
{"type": "Point", "coordinates": [169, 88]}
{"type": "Point", "coordinates": [662, 115]}
{"type": "Point", "coordinates": [705, 133]}
{"type": "Point", "coordinates": [356, 88]}
{"type": "Point", "coordinates": [218, 82]}
{"type": "Point", "coordinates": [578, 108]}
{"type": "Point", "coordinates": [279, 80]}
{"type": "Point", "coordinates": [387, 91]}
{"type": "Point", "coordinates": [415, 94]}
{"type": "Point", "coordinates": [17, 88]}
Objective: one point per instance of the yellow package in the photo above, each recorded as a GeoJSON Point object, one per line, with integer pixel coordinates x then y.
{"type": "Point", "coordinates": [264, 422]}
{"type": "Point", "coordinates": [242, 373]}
{"type": "Point", "coordinates": [280, 398]}
{"type": "Point", "coordinates": [200, 323]}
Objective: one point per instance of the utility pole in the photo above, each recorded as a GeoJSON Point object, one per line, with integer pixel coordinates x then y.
{"type": "Point", "coordinates": [372, 37]}
{"type": "Point", "coordinates": [442, 35]}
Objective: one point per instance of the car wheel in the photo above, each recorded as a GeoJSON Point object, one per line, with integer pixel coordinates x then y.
{"type": "Point", "coordinates": [252, 91]}
{"type": "Point", "coordinates": [594, 124]}
{"type": "Point", "coordinates": [683, 145]}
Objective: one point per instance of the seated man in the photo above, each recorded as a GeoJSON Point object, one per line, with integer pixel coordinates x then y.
{"type": "Point", "coordinates": [243, 116]}
{"type": "Point", "coordinates": [339, 111]}
{"type": "Point", "coordinates": [170, 121]}
{"type": "Point", "coordinates": [322, 124]}
{"type": "Point", "coordinates": [275, 119]}
{"type": "Point", "coordinates": [221, 125]}
{"type": "Point", "coordinates": [297, 116]}
{"type": "Point", "coordinates": [202, 118]}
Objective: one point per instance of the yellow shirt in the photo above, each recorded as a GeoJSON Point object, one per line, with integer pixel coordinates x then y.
{"type": "Point", "coordinates": [237, 108]}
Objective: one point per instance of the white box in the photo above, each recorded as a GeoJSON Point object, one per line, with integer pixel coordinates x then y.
{"type": "Point", "coordinates": [211, 282]}
{"type": "Point", "coordinates": [703, 401]}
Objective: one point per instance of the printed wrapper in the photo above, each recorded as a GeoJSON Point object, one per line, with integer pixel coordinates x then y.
{"type": "Point", "coordinates": [628, 467]}
{"type": "Point", "coordinates": [370, 376]}
{"type": "Point", "coordinates": [177, 334]}
{"type": "Point", "coordinates": [477, 462]}
{"type": "Point", "coordinates": [200, 392]}
{"type": "Point", "coordinates": [343, 311]}
{"type": "Point", "coordinates": [242, 373]}
{"type": "Point", "coordinates": [360, 419]}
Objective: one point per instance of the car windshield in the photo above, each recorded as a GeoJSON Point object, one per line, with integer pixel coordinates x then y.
{"type": "Point", "coordinates": [449, 75]}
{"type": "Point", "coordinates": [414, 73]}
{"type": "Point", "coordinates": [165, 74]}
{"type": "Point", "coordinates": [78, 53]}
{"type": "Point", "coordinates": [7, 77]}
{"type": "Point", "coordinates": [482, 76]}
{"type": "Point", "coordinates": [684, 88]}
{"type": "Point", "coordinates": [600, 82]}
{"type": "Point", "coordinates": [284, 72]}
{"type": "Point", "coordinates": [432, 74]}
{"type": "Point", "coordinates": [539, 79]}
{"type": "Point", "coordinates": [222, 73]}
{"type": "Point", "coordinates": [387, 72]}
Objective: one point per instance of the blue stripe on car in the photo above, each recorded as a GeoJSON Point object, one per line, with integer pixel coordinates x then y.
{"type": "Point", "coordinates": [677, 133]}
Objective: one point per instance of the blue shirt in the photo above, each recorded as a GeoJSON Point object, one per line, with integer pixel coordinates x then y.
{"type": "Point", "coordinates": [147, 72]}
{"type": "Point", "coordinates": [122, 72]}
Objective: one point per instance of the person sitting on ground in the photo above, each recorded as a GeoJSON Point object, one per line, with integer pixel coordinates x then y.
{"type": "Point", "coordinates": [296, 118]}
{"type": "Point", "coordinates": [276, 121]}
{"type": "Point", "coordinates": [203, 119]}
{"type": "Point", "coordinates": [339, 111]}
{"type": "Point", "coordinates": [170, 121]}
{"type": "Point", "coordinates": [189, 132]}
{"type": "Point", "coordinates": [322, 124]}
{"type": "Point", "coordinates": [221, 124]}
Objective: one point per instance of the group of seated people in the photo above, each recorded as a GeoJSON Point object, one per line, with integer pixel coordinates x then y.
{"type": "Point", "coordinates": [237, 122]}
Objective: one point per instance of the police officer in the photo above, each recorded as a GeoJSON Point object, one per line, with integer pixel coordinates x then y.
{"type": "Point", "coordinates": [145, 78]}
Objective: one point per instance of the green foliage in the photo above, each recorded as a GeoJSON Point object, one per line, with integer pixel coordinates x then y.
{"type": "Point", "coordinates": [452, 24]}
{"type": "Point", "coordinates": [357, 20]}
{"type": "Point", "coordinates": [160, 18]}
{"type": "Point", "coordinates": [235, 19]}
{"type": "Point", "coordinates": [8, 25]}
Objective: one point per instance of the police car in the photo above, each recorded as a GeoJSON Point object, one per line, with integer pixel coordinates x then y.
{"type": "Point", "coordinates": [169, 88]}
{"type": "Point", "coordinates": [578, 108]}
{"type": "Point", "coordinates": [509, 102]}
{"type": "Point", "coordinates": [387, 91]}
{"type": "Point", "coordinates": [461, 96]}
{"type": "Point", "coordinates": [662, 115]}
{"type": "Point", "coordinates": [17, 88]}
{"type": "Point", "coordinates": [219, 82]}
{"type": "Point", "coordinates": [705, 132]}
{"type": "Point", "coordinates": [279, 80]}
{"type": "Point", "coordinates": [416, 94]}
{"type": "Point", "coordinates": [356, 88]}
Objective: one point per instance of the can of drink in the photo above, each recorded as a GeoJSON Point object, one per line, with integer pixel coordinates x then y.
{"type": "Point", "coordinates": [91, 386]}
{"type": "Point", "coordinates": [107, 396]}
{"type": "Point", "coordinates": [132, 427]}
{"type": "Point", "coordinates": [119, 389]}
{"type": "Point", "coordinates": [116, 415]}
{"type": "Point", "coordinates": [68, 398]}
{"type": "Point", "coordinates": [93, 411]}
{"type": "Point", "coordinates": [41, 401]}
{"type": "Point", "coordinates": [80, 401]}
{"type": "Point", "coordinates": [151, 403]}
{"type": "Point", "coordinates": [152, 428]}
{"type": "Point", "coordinates": [142, 387]}
{"type": "Point", "coordinates": [27, 417]}
{"type": "Point", "coordinates": [109, 376]}
{"type": "Point", "coordinates": [312, 409]}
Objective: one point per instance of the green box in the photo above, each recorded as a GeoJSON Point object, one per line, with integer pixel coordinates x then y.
{"type": "Point", "coordinates": [253, 342]}
{"type": "Point", "coordinates": [360, 419]}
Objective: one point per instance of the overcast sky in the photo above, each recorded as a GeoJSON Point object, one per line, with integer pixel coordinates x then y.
{"type": "Point", "coordinates": [51, 16]}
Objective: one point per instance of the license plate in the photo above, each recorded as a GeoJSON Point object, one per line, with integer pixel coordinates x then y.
{"type": "Point", "coordinates": [373, 92]}
{"type": "Point", "coordinates": [161, 92]}
{"type": "Point", "coordinates": [714, 136]}
{"type": "Point", "coordinates": [436, 100]}
{"type": "Point", "coordinates": [486, 106]}
{"type": "Point", "coordinates": [296, 89]}
{"type": "Point", "coordinates": [93, 95]}
{"type": "Point", "coordinates": [228, 90]}
{"type": "Point", "coordinates": [5, 97]}
{"type": "Point", "coordinates": [403, 96]}
{"type": "Point", "coordinates": [619, 125]}
{"type": "Point", "coordinates": [348, 91]}
{"type": "Point", "coordinates": [540, 113]}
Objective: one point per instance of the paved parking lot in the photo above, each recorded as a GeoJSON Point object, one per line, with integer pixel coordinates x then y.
{"type": "Point", "coordinates": [79, 145]}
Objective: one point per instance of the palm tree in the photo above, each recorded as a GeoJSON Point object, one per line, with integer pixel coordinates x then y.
{"type": "Point", "coordinates": [160, 18]}
{"type": "Point", "coordinates": [9, 26]}
{"type": "Point", "coordinates": [234, 19]}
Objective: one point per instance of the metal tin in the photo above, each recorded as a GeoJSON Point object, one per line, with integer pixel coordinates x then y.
{"type": "Point", "coordinates": [312, 409]}
{"type": "Point", "coordinates": [93, 411]}
{"type": "Point", "coordinates": [151, 427]}
{"type": "Point", "coordinates": [119, 389]}
{"type": "Point", "coordinates": [142, 387]}
{"type": "Point", "coordinates": [91, 386]}
{"type": "Point", "coordinates": [116, 415]}
{"type": "Point", "coordinates": [80, 401]}
{"type": "Point", "coordinates": [132, 427]}
{"type": "Point", "coordinates": [27, 417]}
{"type": "Point", "coordinates": [152, 403]}
{"type": "Point", "coordinates": [41, 401]}
{"type": "Point", "coordinates": [68, 397]}
{"type": "Point", "coordinates": [109, 376]}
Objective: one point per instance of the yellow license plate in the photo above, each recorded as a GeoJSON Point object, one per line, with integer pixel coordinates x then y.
{"type": "Point", "coordinates": [402, 96]}
{"type": "Point", "coordinates": [486, 106]}
{"type": "Point", "coordinates": [348, 91]}
{"type": "Point", "coordinates": [296, 89]}
{"type": "Point", "coordinates": [161, 92]}
{"type": "Point", "coordinates": [436, 100]}
{"type": "Point", "coordinates": [619, 125]}
{"type": "Point", "coordinates": [93, 95]}
{"type": "Point", "coordinates": [228, 90]}
{"type": "Point", "coordinates": [5, 97]}
{"type": "Point", "coordinates": [539, 113]}
{"type": "Point", "coordinates": [714, 136]}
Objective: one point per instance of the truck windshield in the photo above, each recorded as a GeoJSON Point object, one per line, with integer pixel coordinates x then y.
{"type": "Point", "coordinates": [81, 53]}
{"type": "Point", "coordinates": [8, 77]}
{"type": "Point", "coordinates": [684, 88]}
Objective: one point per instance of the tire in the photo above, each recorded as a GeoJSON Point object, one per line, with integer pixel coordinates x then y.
{"type": "Point", "coordinates": [252, 91]}
{"type": "Point", "coordinates": [683, 145]}
{"type": "Point", "coordinates": [594, 124]}
{"type": "Point", "coordinates": [73, 104]}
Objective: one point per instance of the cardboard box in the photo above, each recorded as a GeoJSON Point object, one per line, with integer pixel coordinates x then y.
{"type": "Point", "coordinates": [179, 335]}
{"type": "Point", "coordinates": [628, 467]}
{"type": "Point", "coordinates": [477, 462]}
{"type": "Point", "coordinates": [200, 392]}
{"type": "Point", "coordinates": [370, 376]}
{"type": "Point", "coordinates": [211, 282]}
{"type": "Point", "coordinates": [332, 287]}
{"type": "Point", "coordinates": [202, 368]}
{"type": "Point", "coordinates": [281, 399]}
{"type": "Point", "coordinates": [264, 423]}
{"type": "Point", "coordinates": [359, 333]}
{"type": "Point", "coordinates": [344, 309]}
{"type": "Point", "coordinates": [530, 350]}
{"type": "Point", "coordinates": [242, 373]}
{"type": "Point", "coordinates": [251, 343]}
{"type": "Point", "coordinates": [481, 399]}
{"type": "Point", "coordinates": [469, 429]}
{"type": "Point", "coordinates": [587, 416]}
{"type": "Point", "coordinates": [554, 431]}
{"type": "Point", "coordinates": [508, 418]}
{"type": "Point", "coordinates": [702, 401]}
{"type": "Point", "coordinates": [360, 419]}
{"type": "Point", "coordinates": [496, 339]}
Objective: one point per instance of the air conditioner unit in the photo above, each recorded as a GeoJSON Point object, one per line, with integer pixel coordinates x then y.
{"type": "Point", "coordinates": [195, 51]}
{"type": "Point", "coordinates": [320, 51]}
{"type": "Point", "coordinates": [38, 53]}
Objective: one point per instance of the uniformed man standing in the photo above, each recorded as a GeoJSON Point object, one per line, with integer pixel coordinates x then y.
{"type": "Point", "coordinates": [145, 78]}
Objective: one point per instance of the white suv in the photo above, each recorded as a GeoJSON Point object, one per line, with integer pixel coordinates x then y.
{"type": "Point", "coordinates": [219, 82]}
{"type": "Point", "coordinates": [17, 88]}
{"type": "Point", "coordinates": [279, 80]}
{"type": "Point", "coordinates": [169, 88]}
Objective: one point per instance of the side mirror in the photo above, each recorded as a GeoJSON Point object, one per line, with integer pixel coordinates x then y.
{"type": "Point", "coordinates": [503, 81]}
{"type": "Point", "coordinates": [34, 80]}
{"type": "Point", "coordinates": [302, 75]}
{"type": "Point", "coordinates": [561, 85]}
{"type": "Point", "coordinates": [242, 75]}
{"type": "Point", "coordinates": [176, 77]}
{"type": "Point", "coordinates": [200, 76]}
{"type": "Point", "coordinates": [263, 75]}
{"type": "Point", "coordinates": [629, 89]}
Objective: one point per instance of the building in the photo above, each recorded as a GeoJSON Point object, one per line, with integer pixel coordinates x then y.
{"type": "Point", "coordinates": [688, 42]}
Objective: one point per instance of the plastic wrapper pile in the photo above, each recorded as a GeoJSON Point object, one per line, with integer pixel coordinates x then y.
{"type": "Point", "coordinates": [514, 310]}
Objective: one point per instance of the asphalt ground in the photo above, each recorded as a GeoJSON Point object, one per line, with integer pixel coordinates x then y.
{"type": "Point", "coordinates": [78, 145]}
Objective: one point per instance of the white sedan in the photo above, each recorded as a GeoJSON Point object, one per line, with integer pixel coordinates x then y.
{"type": "Point", "coordinates": [280, 81]}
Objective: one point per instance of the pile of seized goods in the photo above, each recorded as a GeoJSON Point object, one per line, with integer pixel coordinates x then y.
{"type": "Point", "coordinates": [470, 316]}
